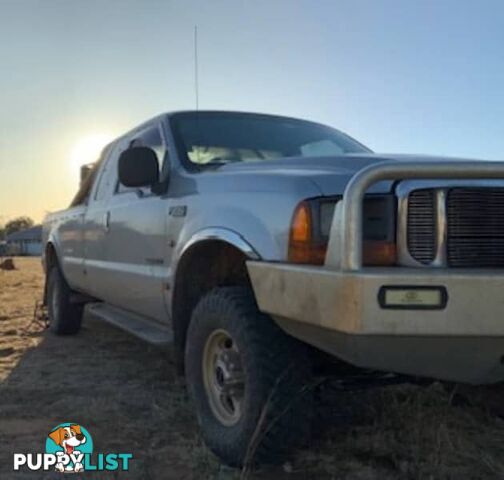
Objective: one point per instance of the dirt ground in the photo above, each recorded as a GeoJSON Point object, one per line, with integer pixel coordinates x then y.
{"type": "Point", "coordinates": [128, 396]}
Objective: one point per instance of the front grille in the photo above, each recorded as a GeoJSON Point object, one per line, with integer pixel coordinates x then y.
{"type": "Point", "coordinates": [475, 222]}
{"type": "Point", "coordinates": [421, 228]}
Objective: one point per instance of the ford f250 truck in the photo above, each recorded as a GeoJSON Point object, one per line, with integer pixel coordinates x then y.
{"type": "Point", "coordinates": [261, 246]}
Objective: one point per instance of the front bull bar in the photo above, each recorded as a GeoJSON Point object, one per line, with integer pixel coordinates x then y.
{"type": "Point", "coordinates": [351, 224]}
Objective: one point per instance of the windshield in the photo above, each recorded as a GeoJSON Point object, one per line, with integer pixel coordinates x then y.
{"type": "Point", "coordinates": [215, 138]}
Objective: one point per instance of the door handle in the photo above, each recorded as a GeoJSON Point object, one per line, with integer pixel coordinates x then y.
{"type": "Point", "coordinates": [106, 221]}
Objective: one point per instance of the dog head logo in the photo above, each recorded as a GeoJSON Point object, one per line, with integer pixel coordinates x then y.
{"type": "Point", "coordinates": [68, 438]}
{"type": "Point", "coordinates": [69, 441]}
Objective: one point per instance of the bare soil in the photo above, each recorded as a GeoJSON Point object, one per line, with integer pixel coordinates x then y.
{"type": "Point", "coordinates": [127, 394]}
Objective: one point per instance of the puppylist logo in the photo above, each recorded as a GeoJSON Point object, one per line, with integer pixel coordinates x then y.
{"type": "Point", "coordinates": [69, 449]}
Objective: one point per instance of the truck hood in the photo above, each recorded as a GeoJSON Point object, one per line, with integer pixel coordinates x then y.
{"type": "Point", "coordinates": [329, 174]}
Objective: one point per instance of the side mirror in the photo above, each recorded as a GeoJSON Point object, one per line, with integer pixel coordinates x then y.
{"type": "Point", "coordinates": [138, 167]}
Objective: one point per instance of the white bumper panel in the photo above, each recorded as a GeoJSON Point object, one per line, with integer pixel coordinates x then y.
{"type": "Point", "coordinates": [339, 312]}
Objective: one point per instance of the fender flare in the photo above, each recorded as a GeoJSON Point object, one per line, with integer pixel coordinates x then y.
{"type": "Point", "coordinates": [52, 242]}
{"type": "Point", "coordinates": [224, 235]}
{"type": "Point", "coordinates": [55, 245]}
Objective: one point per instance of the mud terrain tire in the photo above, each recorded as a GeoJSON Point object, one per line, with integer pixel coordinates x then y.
{"type": "Point", "coordinates": [65, 318]}
{"type": "Point", "coordinates": [276, 402]}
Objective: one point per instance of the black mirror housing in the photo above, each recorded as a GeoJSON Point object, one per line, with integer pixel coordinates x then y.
{"type": "Point", "coordinates": [138, 167]}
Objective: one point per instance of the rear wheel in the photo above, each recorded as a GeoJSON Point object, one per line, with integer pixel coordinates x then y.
{"type": "Point", "coordinates": [65, 317]}
{"type": "Point", "coordinates": [247, 378]}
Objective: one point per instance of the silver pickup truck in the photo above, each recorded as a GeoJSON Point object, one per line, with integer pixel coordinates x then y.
{"type": "Point", "coordinates": [263, 247]}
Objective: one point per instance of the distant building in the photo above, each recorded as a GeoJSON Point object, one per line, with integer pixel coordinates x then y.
{"type": "Point", "coordinates": [25, 242]}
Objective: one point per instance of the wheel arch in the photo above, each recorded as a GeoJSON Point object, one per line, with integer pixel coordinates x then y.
{"type": "Point", "coordinates": [212, 258]}
{"type": "Point", "coordinates": [50, 256]}
{"type": "Point", "coordinates": [49, 260]}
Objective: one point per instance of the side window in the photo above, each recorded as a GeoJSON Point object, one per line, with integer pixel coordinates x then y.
{"type": "Point", "coordinates": [84, 193]}
{"type": "Point", "coordinates": [151, 138]}
{"type": "Point", "coordinates": [107, 175]}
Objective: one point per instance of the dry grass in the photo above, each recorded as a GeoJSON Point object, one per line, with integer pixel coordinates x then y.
{"type": "Point", "coordinates": [417, 433]}
{"type": "Point", "coordinates": [127, 394]}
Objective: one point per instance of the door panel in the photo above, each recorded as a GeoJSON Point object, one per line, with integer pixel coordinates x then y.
{"type": "Point", "coordinates": [136, 255]}
{"type": "Point", "coordinates": [96, 229]}
{"type": "Point", "coordinates": [70, 233]}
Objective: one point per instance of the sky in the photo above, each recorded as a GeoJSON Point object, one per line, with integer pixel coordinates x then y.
{"type": "Point", "coordinates": [408, 76]}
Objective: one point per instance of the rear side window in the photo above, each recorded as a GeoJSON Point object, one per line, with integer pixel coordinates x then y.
{"type": "Point", "coordinates": [151, 138]}
{"type": "Point", "coordinates": [82, 196]}
{"type": "Point", "coordinates": [107, 175]}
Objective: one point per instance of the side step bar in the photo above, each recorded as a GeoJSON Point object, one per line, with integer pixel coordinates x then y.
{"type": "Point", "coordinates": [135, 324]}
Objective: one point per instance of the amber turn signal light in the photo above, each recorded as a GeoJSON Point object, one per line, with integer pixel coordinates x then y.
{"type": "Point", "coordinates": [301, 245]}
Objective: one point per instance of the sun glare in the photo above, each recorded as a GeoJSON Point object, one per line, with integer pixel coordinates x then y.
{"type": "Point", "coordinates": [87, 150]}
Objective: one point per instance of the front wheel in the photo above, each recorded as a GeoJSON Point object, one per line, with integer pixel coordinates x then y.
{"type": "Point", "coordinates": [247, 378]}
{"type": "Point", "coordinates": [65, 317]}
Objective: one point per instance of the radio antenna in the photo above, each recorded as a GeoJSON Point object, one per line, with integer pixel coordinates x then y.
{"type": "Point", "coordinates": [196, 80]}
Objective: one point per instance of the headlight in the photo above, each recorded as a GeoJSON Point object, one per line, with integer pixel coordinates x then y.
{"type": "Point", "coordinates": [311, 226]}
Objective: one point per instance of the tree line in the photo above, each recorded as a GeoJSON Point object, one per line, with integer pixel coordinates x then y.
{"type": "Point", "coordinates": [15, 225]}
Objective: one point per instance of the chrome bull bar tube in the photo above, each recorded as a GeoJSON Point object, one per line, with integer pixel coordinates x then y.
{"type": "Point", "coordinates": [352, 203]}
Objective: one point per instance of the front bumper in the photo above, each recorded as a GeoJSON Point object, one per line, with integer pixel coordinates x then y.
{"type": "Point", "coordinates": [340, 313]}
